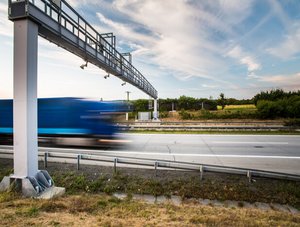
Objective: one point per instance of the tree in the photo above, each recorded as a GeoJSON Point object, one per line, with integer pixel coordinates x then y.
{"type": "Point", "coordinates": [141, 105]}
{"type": "Point", "coordinates": [221, 100]}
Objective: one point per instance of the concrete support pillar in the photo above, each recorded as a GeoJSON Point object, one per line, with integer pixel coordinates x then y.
{"type": "Point", "coordinates": [25, 98]}
{"type": "Point", "coordinates": [27, 177]}
{"type": "Point", "coordinates": [155, 115]}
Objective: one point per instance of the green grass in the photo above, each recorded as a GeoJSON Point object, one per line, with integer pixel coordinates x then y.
{"type": "Point", "coordinates": [214, 186]}
{"type": "Point", "coordinates": [220, 187]}
{"type": "Point", "coordinates": [89, 202]}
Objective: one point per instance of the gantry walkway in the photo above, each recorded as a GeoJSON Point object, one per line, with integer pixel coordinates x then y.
{"type": "Point", "coordinates": [61, 24]}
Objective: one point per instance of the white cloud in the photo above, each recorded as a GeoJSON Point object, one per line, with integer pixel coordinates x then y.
{"type": "Point", "coordinates": [290, 45]}
{"type": "Point", "coordinates": [244, 58]}
{"type": "Point", "coordinates": [76, 3]}
{"type": "Point", "coordinates": [60, 58]}
{"type": "Point", "coordinates": [184, 39]}
{"type": "Point", "coordinates": [251, 63]}
{"type": "Point", "coordinates": [252, 75]}
{"type": "Point", "coordinates": [6, 26]}
{"type": "Point", "coordinates": [178, 38]}
{"type": "Point", "coordinates": [3, 8]}
{"type": "Point", "coordinates": [234, 11]}
{"type": "Point", "coordinates": [280, 13]}
{"type": "Point", "coordinates": [283, 80]}
{"type": "Point", "coordinates": [209, 86]}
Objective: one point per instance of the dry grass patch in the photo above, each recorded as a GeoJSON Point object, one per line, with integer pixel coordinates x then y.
{"type": "Point", "coordinates": [232, 107]}
{"type": "Point", "coordinates": [103, 210]}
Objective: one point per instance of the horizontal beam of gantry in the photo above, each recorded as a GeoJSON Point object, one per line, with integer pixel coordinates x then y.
{"type": "Point", "coordinates": [61, 24]}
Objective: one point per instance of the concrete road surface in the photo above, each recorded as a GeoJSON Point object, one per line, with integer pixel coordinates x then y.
{"type": "Point", "coordinates": [280, 153]}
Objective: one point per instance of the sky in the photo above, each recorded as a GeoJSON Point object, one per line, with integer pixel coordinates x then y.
{"type": "Point", "coordinates": [197, 48]}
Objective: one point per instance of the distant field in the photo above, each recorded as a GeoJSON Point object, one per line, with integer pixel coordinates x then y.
{"type": "Point", "coordinates": [230, 112]}
{"type": "Point", "coordinates": [234, 107]}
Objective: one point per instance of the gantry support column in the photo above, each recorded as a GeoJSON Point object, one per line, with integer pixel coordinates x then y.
{"type": "Point", "coordinates": [155, 115]}
{"type": "Point", "coordinates": [31, 181]}
{"type": "Point", "coordinates": [25, 98]}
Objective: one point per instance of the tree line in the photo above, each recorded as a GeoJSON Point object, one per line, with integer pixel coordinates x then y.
{"type": "Point", "coordinates": [277, 103]}
{"type": "Point", "coordinates": [270, 104]}
{"type": "Point", "coordinates": [188, 103]}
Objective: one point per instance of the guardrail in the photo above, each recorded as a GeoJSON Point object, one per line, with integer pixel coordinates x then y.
{"type": "Point", "coordinates": [208, 122]}
{"type": "Point", "coordinates": [205, 127]}
{"type": "Point", "coordinates": [45, 154]}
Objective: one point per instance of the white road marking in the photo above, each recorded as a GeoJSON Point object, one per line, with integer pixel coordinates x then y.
{"type": "Point", "coordinates": [207, 135]}
{"type": "Point", "coordinates": [202, 155]}
{"type": "Point", "coordinates": [245, 142]}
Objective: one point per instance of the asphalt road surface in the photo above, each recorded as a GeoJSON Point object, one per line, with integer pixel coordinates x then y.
{"type": "Point", "coordinates": [280, 153]}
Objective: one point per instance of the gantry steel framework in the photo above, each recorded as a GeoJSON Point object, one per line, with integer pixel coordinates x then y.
{"type": "Point", "coordinates": [61, 24]}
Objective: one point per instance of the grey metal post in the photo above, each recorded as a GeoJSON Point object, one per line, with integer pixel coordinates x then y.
{"type": "Point", "coordinates": [201, 172]}
{"type": "Point", "coordinates": [46, 155]}
{"type": "Point", "coordinates": [78, 161]}
{"type": "Point", "coordinates": [128, 92]}
{"type": "Point", "coordinates": [25, 98]}
{"type": "Point", "coordinates": [155, 110]}
{"type": "Point", "coordinates": [155, 168]}
{"type": "Point", "coordinates": [249, 175]}
{"type": "Point", "coordinates": [115, 165]}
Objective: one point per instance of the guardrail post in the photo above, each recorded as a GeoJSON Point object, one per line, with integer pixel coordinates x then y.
{"type": "Point", "coordinates": [201, 172]}
{"type": "Point", "coordinates": [249, 175]}
{"type": "Point", "coordinates": [155, 167]}
{"type": "Point", "coordinates": [78, 161]}
{"type": "Point", "coordinates": [115, 165]}
{"type": "Point", "coordinates": [46, 155]}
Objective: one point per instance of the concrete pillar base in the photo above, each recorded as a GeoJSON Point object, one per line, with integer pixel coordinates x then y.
{"type": "Point", "coordinates": [40, 186]}
{"type": "Point", "coordinates": [156, 120]}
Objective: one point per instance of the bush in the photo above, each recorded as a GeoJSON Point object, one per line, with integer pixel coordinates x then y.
{"type": "Point", "coordinates": [292, 122]}
{"type": "Point", "coordinates": [205, 114]}
{"type": "Point", "coordinates": [266, 109]}
{"type": "Point", "coordinates": [286, 107]}
{"type": "Point", "coordinates": [185, 115]}
{"type": "Point", "coordinates": [163, 114]}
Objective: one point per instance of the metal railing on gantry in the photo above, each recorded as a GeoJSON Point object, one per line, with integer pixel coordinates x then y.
{"type": "Point", "coordinates": [61, 24]}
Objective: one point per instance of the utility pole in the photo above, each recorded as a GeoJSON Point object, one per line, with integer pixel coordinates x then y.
{"type": "Point", "coordinates": [127, 92]}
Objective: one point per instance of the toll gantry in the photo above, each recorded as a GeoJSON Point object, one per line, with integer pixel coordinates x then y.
{"type": "Point", "coordinates": [61, 24]}
{"type": "Point", "coordinates": [58, 22]}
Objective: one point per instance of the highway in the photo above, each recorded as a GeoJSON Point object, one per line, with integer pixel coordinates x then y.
{"type": "Point", "coordinates": [280, 153]}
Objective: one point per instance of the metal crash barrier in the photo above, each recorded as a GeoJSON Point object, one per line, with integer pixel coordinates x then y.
{"type": "Point", "coordinates": [46, 154]}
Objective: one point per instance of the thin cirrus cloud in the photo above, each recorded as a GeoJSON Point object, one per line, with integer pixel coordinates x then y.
{"type": "Point", "coordinates": [177, 40]}
{"type": "Point", "coordinates": [277, 80]}
{"type": "Point", "coordinates": [290, 45]}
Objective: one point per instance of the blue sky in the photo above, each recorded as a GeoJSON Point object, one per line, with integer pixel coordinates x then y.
{"type": "Point", "coordinates": [197, 48]}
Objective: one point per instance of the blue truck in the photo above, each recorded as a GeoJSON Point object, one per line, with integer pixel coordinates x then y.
{"type": "Point", "coordinates": [67, 121]}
